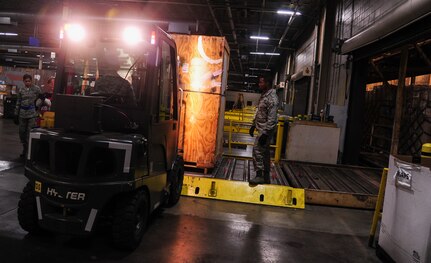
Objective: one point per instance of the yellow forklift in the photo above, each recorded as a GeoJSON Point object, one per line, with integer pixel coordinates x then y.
{"type": "Point", "coordinates": [112, 154]}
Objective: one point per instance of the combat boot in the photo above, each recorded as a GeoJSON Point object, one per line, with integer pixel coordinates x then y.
{"type": "Point", "coordinates": [24, 151]}
{"type": "Point", "coordinates": [259, 179]}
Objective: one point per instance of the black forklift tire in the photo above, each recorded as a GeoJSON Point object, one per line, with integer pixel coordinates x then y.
{"type": "Point", "coordinates": [130, 220]}
{"type": "Point", "coordinates": [175, 188]}
{"type": "Point", "coordinates": [27, 211]}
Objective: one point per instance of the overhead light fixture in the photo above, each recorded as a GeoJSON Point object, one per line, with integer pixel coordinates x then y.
{"type": "Point", "coordinates": [259, 37]}
{"type": "Point", "coordinates": [8, 34]}
{"type": "Point", "coordinates": [250, 76]}
{"type": "Point", "coordinates": [288, 12]}
{"type": "Point", "coordinates": [260, 69]}
{"type": "Point", "coordinates": [5, 20]}
{"type": "Point", "coordinates": [272, 54]}
{"type": "Point", "coordinates": [257, 53]}
{"type": "Point", "coordinates": [263, 53]}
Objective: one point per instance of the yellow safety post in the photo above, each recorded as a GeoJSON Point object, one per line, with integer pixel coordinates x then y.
{"type": "Point", "coordinates": [379, 205]}
{"type": "Point", "coordinates": [237, 127]}
{"type": "Point", "coordinates": [279, 139]}
{"type": "Point", "coordinates": [230, 136]}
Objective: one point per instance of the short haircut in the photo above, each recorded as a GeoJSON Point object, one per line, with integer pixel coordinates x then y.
{"type": "Point", "coordinates": [27, 76]}
{"type": "Point", "coordinates": [267, 78]}
{"type": "Point", "coordinates": [50, 80]}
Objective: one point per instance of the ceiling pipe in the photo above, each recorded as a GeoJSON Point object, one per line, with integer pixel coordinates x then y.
{"type": "Point", "coordinates": [258, 31]}
{"type": "Point", "coordinates": [289, 23]}
{"type": "Point", "coordinates": [214, 18]}
{"type": "Point", "coordinates": [232, 26]}
{"type": "Point", "coordinates": [28, 48]}
{"type": "Point", "coordinates": [56, 17]}
{"type": "Point", "coordinates": [218, 26]}
{"type": "Point", "coordinates": [214, 6]}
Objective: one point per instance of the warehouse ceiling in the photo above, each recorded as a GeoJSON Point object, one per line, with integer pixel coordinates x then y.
{"type": "Point", "coordinates": [29, 29]}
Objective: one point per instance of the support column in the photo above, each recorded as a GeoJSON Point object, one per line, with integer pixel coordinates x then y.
{"type": "Point", "coordinates": [399, 101]}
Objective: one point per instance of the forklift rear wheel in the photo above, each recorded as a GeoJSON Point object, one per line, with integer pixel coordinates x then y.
{"type": "Point", "coordinates": [27, 211]}
{"type": "Point", "coordinates": [130, 220]}
{"type": "Point", "coordinates": [175, 188]}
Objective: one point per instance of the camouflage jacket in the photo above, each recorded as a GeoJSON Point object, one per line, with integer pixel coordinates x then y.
{"type": "Point", "coordinates": [25, 106]}
{"type": "Point", "coordinates": [115, 85]}
{"type": "Point", "coordinates": [265, 118]}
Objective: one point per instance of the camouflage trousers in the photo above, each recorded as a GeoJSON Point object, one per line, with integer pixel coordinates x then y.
{"type": "Point", "coordinates": [261, 154]}
{"type": "Point", "coordinates": [25, 125]}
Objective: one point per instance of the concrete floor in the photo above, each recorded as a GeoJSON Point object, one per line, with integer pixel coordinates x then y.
{"type": "Point", "coordinates": [195, 230]}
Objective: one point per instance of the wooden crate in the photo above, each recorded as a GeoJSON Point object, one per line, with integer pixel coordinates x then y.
{"type": "Point", "coordinates": [203, 67]}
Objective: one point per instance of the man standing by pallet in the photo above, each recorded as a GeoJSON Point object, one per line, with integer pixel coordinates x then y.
{"type": "Point", "coordinates": [265, 122]}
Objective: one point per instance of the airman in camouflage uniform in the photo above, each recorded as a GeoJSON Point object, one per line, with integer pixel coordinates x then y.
{"type": "Point", "coordinates": [265, 122]}
{"type": "Point", "coordinates": [110, 83]}
{"type": "Point", "coordinates": [114, 84]}
{"type": "Point", "coordinates": [25, 110]}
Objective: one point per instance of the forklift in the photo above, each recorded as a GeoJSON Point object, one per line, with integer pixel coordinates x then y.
{"type": "Point", "coordinates": [112, 155]}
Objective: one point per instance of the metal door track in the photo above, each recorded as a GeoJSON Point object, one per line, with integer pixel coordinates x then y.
{"type": "Point", "coordinates": [237, 191]}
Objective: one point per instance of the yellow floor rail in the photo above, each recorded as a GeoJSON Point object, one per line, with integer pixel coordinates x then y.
{"type": "Point", "coordinates": [237, 191]}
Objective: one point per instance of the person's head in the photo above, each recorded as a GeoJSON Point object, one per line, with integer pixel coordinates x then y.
{"type": "Point", "coordinates": [108, 60]}
{"type": "Point", "coordinates": [50, 85]}
{"type": "Point", "coordinates": [27, 79]}
{"type": "Point", "coordinates": [265, 82]}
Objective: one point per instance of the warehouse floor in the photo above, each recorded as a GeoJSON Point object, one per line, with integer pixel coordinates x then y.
{"type": "Point", "coordinates": [195, 230]}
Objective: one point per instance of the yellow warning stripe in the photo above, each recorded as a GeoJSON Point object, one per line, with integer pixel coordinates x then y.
{"type": "Point", "coordinates": [237, 191]}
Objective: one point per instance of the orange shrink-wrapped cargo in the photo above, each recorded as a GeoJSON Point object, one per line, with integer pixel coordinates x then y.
{"type": "Point", "coordinates": [203, 66]}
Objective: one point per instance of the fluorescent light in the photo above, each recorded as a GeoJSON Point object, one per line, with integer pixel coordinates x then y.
{"type": "Point", "coordinates": [259, 37]}
{"type": "Point", "coordinates": [288, 12]}
{"type": "Point", "coordinates": [267, 54]}
{"type": "Point", "coordinates": [8, 34]}
{"type": "Point", "coordinates": [261, 69]}
{"type": "Point", "coordinates": [272, 54]}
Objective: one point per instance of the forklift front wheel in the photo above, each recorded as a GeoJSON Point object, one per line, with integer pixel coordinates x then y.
{"type": "Point", "coordinates": [130, 220]}
{"type": "Point", "coordinates": [175, 188]}
{"type": "Point", "coordinates": [27, 211]}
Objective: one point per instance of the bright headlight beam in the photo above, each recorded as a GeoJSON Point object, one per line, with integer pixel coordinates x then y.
{"type": "Point", "coordinates": [132, 35]}
{"type": "Point", "coordinates": [75, 32]}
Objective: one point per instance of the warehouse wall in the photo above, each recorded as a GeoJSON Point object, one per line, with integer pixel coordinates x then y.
{"type": "Point", "coordinates": [352, 17]}
{"type": "Point", "coordinates": [232, 97]}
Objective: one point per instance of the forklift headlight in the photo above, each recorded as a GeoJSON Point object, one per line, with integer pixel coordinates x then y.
{"type": "Point", "coordinates": [74, 32]}
{"type": "Point", "coordinates": [132, 35]}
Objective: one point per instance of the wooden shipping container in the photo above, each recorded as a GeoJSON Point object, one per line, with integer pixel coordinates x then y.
{"type": "Point", "coordinates": [203, 66]}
